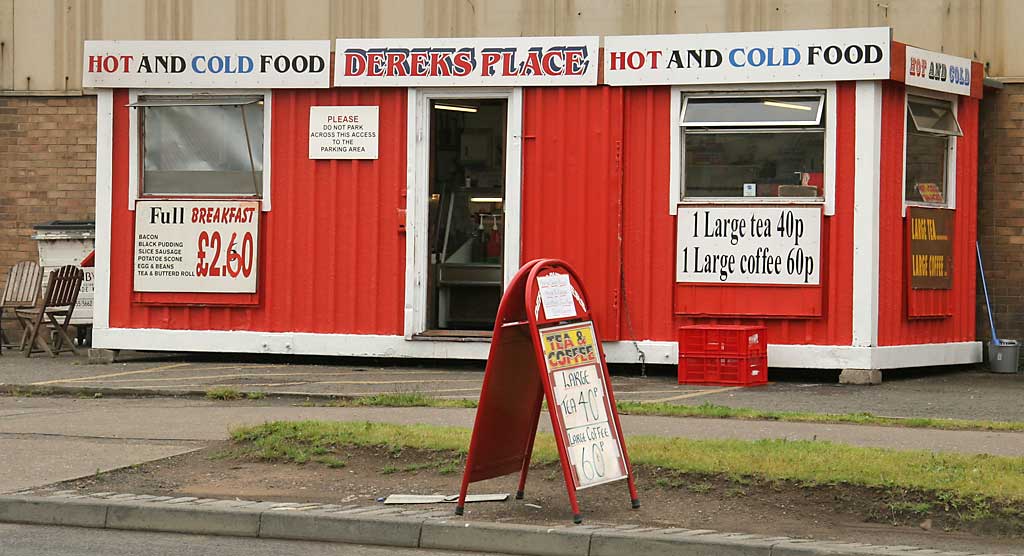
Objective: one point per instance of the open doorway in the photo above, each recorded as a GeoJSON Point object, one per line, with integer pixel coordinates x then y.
{"type": "Point", "coordinates": [466, 215]}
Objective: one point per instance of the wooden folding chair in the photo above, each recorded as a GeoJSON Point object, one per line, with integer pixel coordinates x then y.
{"type": "Point", "coordinates": [21, 291]}
{"type": "Point", "coordinates": [59, 302]}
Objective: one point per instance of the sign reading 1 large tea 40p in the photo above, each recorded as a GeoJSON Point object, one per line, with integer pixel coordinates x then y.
{"type": "Point", "coordinates": [196, 246]}
{"type": "Point", "coordinates": [749, 245]}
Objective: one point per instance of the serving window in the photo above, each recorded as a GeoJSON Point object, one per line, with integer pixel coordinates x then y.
{"type": "Point", "coordinates": [932, 129]}
{"type": "Point", "coordinates": [757, 145]}
{"type": "Point", "coordinates": [200, 145]}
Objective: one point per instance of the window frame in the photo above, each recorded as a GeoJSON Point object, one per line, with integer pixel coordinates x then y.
{"type": "Point", "coordinates": [677, 148]}
{"type": "Point", "coordinates": [951, 147]}
{"type": "Point", "coordinates": [136, 148]}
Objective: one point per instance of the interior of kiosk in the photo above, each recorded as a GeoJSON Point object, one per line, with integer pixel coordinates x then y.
{"type": "Point", "coordinates": [467, 225]}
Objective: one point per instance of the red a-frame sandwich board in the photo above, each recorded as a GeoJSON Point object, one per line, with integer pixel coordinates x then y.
{"type": "Point", "coordinates": [545, 346]}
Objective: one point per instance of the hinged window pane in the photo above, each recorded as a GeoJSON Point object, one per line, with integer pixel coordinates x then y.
{"type": "Point", "coordinates": [747, 111]}
{"type": "Point", "coordinates": [930, 116]}
{"type": "Point", "coordinates": [206, 147]}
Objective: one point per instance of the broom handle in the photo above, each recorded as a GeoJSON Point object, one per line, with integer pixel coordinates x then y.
{"type": "Point", "coordinates": [988, 304]}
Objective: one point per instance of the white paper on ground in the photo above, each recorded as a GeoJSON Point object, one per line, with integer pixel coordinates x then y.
{"type": "Point", "coordinates": [440, 498]}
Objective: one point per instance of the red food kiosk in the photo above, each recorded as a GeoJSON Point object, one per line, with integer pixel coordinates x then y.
{"type": "Point", "coordinates": [273, 197]}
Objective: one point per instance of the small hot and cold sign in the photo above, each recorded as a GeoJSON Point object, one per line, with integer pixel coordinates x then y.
{"type": "Point", "coordinates": [545, 348]}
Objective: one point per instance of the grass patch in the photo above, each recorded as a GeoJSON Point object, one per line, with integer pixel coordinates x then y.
{"type": "Point", "coordinates": [255, 395]}
{"type": "Point", "coordinates": [724, 412]}
{"type": "Point", "coordinates": [708, 410]}
{"type": "Point", "coordinates": [403, 399]}
{"type": "Point", "coordinates": [955, 478]}
{"type": "Point", "coordinates": [224, 394]}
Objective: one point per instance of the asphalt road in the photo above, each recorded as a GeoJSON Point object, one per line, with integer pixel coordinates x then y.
{"type": "Point", "coordinates": [951, 393]}
{"type": "Point", "coordinates": [34, 540]}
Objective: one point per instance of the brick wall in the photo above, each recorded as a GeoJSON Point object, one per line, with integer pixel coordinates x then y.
{"type": "Point", "coordinates": [47, 168]}
{"type": "Point", "coordinates": [1001, 210]}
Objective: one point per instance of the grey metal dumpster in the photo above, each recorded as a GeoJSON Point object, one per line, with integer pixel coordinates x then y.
{"type": "Point", "coordinates": [64, 242]}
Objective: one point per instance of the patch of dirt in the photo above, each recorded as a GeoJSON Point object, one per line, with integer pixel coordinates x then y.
{"type": "Point", "coordinates": [669, 499]}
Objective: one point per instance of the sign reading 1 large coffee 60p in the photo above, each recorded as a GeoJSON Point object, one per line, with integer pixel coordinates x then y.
{"type": "Point", "coordinates": [749, 245]}
{"type": "Point", "coordinates": [196, 246]}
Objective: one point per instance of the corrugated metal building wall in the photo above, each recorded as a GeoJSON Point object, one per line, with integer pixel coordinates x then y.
{"type": "Point", "coordinates": [332, 257]}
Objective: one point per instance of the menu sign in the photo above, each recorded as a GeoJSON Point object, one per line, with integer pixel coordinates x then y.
{"type": "Point", "coordinates": [749, 245]}
{"type": "Point", "coordinates": [930, 248]}
{"type": "Point", "coordinates": [581, 397]}
{"type": "Point", "coordinates": [196, 246]}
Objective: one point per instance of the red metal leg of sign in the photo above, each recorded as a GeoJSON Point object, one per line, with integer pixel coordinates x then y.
{"type": "Point", "coordinates": [526, 457]}
{"type": "Point", "coordinates": [465, 479]}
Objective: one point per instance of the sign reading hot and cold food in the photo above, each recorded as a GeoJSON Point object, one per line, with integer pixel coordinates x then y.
{"type": "Point", "coordinates": [208, 64]}
{"type": "Point", "coordinates": [196, 246]}
{"type": "Point", "coordinates": [764, 57]}
{"type": "Point", "coordinates": [749, 245]}
{"type": "Point", "coordinates": [507, 61]}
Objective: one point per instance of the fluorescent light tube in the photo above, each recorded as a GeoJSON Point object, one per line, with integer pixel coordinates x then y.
{"type": "Point", "coordinates": [454, 108]}
{"type": "Point", "coordinates": [779, 104]}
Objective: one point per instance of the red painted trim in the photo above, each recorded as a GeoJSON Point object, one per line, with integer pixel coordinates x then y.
{"type": "Point", "coordinates": [977, 80]}
{"type": "Point", "coordinates": [898, 62]}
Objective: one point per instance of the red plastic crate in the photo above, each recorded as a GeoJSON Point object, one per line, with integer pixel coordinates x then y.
{"type": "Point", "coordinates": [731, 371]}
{"type": "Point", "coordinates": [723, 340]}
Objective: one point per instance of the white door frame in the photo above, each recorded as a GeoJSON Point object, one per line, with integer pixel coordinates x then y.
{"type": "Point", "coordinates": [418, 190]}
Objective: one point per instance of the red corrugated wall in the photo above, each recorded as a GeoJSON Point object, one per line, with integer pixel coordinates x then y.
{"type": "Point", "coordinates": [894, 328]}
{"type": "Point", "coordinates": [572, 188]}
{"type": "Point", "coordinates": [332, 259]}
{"type": "Point", "coordinates": [650, 239]}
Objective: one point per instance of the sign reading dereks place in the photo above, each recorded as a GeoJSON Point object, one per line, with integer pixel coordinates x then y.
{"type": "Point", "coordinates": [506, 61]}
{"type": "Point", "coordinates": [749, 245]}
{"type": "Point", "coordinates": [207, 64]}
{"type": "Point", "coordinates": [762, 57]}
{"type": "Point", "coordinates": [196, 246]}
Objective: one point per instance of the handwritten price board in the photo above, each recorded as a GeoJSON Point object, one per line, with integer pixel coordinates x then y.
{"type": "Point", "coordinates": [537, 356]}
{"type": "Point", "coordinates": [196, 246]}
{"type": "Point", "coordinates": [930, 248]}
{"type": "Point", "coordinates": [581, 397]}
{"type": "Point", "coordinates": [749, 245]}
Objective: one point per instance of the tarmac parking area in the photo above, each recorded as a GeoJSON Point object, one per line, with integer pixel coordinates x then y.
{"type": "Point", "coordinates": [963, 393]}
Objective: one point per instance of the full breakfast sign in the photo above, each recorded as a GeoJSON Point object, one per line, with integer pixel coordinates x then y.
{"type": "Point", "coordinates": [196, 246]}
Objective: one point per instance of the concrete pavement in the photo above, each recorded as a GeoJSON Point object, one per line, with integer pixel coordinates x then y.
{"type": "Point", "coordinates": [415, 528]}
{"type": "Point", "coordinates": [956, 393]}
{"type": "Point", "coordinates": [78, 436]}
{"type": "Point", "coordinates": [33, 540]}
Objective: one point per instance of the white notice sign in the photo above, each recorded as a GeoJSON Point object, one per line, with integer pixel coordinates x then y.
{"type": "Point", "coordinates": [556, 296]}
{"type": "Point", "coordinates": [749, 245]}
{"type": "Point", "coordinates": [196, 246]}
{"type": "Point", "coordinates": [343, 132]}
